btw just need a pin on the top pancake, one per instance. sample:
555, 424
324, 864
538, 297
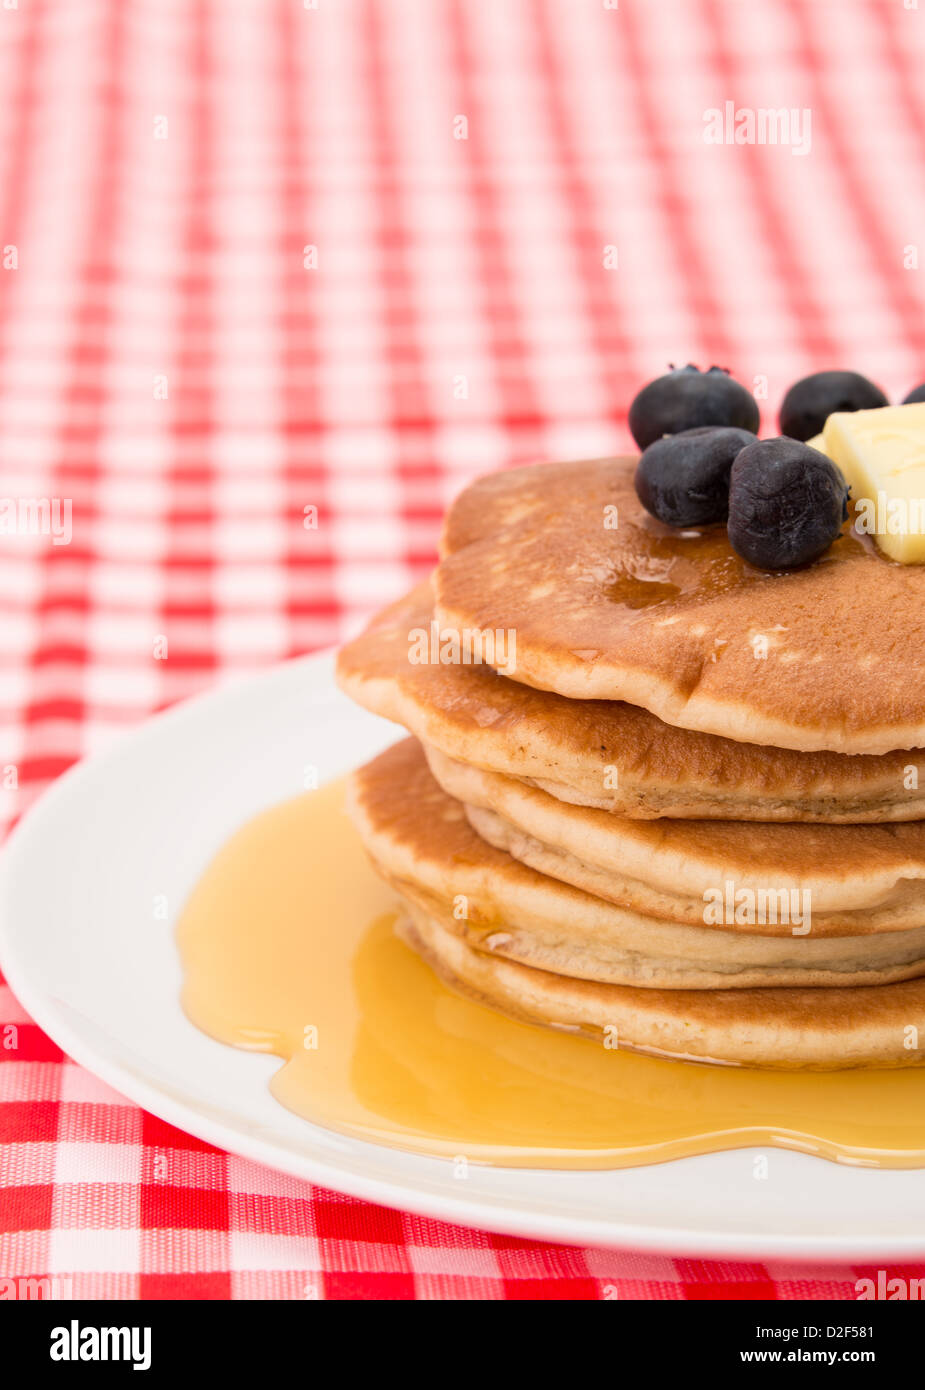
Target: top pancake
606, 753
831, 656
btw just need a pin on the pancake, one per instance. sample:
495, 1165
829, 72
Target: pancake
418, 837
782, 1029
860, 879
831, 656
609, 754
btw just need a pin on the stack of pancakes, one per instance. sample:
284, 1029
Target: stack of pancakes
682, 814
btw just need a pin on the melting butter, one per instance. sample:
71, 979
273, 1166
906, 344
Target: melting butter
882, 455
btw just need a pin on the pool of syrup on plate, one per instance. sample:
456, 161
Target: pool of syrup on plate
288, 947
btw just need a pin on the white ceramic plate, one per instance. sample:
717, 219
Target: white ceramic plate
85, 953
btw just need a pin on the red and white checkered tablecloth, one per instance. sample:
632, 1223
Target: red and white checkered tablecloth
258, 255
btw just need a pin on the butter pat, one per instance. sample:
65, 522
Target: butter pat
817, 442
882, 455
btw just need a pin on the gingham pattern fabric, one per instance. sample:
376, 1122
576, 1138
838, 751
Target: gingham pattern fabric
260, 256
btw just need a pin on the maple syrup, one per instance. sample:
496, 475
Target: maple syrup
288, 947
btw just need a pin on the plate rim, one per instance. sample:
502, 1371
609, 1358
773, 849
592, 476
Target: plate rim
308, 1165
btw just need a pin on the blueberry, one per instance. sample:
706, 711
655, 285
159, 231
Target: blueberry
683, 479
685, 398
787, 503
915, 395
810, 401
